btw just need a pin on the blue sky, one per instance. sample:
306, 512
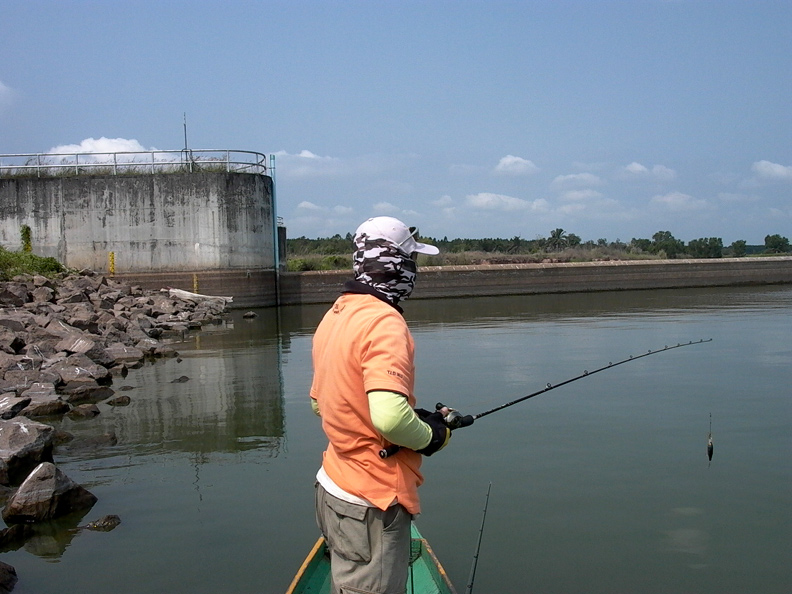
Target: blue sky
469, 119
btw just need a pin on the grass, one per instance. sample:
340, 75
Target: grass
14, 263
308, 262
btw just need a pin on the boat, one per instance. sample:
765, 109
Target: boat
426, 575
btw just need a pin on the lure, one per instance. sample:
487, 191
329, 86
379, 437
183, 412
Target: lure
709, 441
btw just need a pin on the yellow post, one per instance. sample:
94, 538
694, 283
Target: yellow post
111, 262
195, 283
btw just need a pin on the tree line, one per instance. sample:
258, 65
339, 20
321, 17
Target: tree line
662, 244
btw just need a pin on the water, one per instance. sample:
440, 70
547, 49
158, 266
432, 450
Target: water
602, 485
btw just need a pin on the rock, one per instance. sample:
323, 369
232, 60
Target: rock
44, 401
85, 391
122, 353
22, 380
10, 342
14, 294
250, 314
42, 294
120, 401
84, 411
78, 367
46, 494
103, 524
180, 380
23, 445
11, 405
13, 537
92, 443
12, 322
8, 578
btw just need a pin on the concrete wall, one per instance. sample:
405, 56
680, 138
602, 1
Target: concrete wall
151, 223
524, 279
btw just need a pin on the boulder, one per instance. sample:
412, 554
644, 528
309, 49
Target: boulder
85, 391
46, 494
44, 401
23, 445
79, 367
10, 341
103, 524
14, 294
11, 405
122, 353
8, 578
84, 411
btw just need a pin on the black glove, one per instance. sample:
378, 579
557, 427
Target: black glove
440, 431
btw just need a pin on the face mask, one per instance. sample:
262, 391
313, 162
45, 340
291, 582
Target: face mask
385, 267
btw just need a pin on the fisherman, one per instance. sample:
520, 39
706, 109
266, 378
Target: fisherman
363, 391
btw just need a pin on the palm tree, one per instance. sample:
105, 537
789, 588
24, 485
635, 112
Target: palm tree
557, 240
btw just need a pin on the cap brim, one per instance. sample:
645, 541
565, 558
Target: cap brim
423, 248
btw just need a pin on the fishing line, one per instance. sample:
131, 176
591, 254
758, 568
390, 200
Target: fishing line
455, 419
585, 373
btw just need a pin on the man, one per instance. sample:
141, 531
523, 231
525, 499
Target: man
363, 391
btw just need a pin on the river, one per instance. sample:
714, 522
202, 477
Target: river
602, 485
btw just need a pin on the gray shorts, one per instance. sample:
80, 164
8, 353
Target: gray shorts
369, 547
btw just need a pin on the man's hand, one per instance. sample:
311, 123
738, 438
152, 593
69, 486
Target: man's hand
441, 433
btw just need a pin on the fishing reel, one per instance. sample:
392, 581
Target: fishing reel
453, 418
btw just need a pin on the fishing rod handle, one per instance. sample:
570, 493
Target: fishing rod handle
454, 422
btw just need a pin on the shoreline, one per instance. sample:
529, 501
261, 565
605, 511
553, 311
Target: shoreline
487, 280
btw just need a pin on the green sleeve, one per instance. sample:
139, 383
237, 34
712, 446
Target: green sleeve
393, 417
315, 407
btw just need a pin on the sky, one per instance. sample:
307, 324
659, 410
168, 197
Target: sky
607, 119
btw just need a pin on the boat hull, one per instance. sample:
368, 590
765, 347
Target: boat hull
426, 575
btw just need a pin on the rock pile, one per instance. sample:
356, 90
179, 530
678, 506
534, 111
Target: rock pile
62, 342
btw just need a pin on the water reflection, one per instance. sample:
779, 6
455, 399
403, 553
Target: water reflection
223, 393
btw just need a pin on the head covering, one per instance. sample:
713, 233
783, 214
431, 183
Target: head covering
396, 233
383, 246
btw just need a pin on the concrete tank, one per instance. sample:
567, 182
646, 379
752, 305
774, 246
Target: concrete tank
170, 222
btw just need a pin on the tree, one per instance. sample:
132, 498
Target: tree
775, 244
664, 241
557, 240
738, 248
711, 247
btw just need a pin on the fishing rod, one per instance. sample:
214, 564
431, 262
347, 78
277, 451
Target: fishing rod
454, 419
469, 589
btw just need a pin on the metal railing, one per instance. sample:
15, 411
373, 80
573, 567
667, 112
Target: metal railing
133, 162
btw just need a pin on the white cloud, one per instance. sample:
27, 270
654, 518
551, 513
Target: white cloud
576, 180
768, 170
443, 201
343, 210
305, 205
490, 201
386, 208
657, 172
677, 201
511, 165
101, 145
306, 164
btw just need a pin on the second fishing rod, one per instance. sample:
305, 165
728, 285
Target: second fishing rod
455, 420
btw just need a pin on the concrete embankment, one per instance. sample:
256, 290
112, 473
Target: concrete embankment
526, 279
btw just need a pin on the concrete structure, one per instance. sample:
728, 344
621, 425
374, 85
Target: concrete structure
526, 279
212, 232
149, 223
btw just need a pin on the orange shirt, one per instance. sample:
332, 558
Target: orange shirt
363, 344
